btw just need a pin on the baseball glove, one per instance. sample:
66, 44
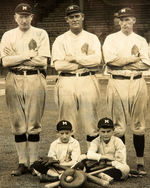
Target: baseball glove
32, 44
72, 178
93, 165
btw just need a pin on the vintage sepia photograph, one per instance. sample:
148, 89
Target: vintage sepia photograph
74, 94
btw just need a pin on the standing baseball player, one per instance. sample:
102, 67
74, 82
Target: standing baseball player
75, 54
126, 56
25, 51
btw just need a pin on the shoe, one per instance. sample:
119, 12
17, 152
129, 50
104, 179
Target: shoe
22, 169
32, 171
46, 178
141, 169
105, 177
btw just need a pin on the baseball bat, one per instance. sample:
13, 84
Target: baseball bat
101, 170
97, 180
53, 184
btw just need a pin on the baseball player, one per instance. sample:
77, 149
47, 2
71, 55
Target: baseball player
109, 148
25, 51
65, 150
126, 56
75, 54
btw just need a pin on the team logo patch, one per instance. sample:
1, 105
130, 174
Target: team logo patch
64, 123
24, 8
106, 120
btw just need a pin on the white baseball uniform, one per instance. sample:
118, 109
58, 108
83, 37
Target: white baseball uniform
114, 149
77, 88
126, 91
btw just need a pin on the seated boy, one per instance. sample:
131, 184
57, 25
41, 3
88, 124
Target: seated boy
110, 149
63, 153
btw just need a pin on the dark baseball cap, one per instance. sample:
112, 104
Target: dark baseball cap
23, 8
64, 125
105, 123
126, 12
72, 9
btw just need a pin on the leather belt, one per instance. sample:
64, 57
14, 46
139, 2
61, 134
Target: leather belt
126, 77
27, 72
77, 74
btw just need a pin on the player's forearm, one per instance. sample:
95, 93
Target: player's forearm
120, 62
89, 60
93, 155
65, 66
37, 62
137, 66
9, 61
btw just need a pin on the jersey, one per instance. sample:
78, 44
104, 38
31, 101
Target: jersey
114, 149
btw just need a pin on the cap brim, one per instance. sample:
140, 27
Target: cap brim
24, 13
126, 15
75, 11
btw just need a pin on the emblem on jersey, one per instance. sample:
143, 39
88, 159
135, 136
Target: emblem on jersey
24, 7
32, 44
64, 123
106, 120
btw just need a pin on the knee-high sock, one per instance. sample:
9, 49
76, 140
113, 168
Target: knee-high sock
139, 144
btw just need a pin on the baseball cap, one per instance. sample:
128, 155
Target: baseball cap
105, 123
126, 12
72, 9
23, 8
64, 125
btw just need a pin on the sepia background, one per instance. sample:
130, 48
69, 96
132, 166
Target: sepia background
49, 15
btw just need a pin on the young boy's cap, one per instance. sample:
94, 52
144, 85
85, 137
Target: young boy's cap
64, 125
105, 123
23, 9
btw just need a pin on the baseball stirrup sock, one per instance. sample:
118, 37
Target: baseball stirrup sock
34, 137
21, 138
91, 138
139, 144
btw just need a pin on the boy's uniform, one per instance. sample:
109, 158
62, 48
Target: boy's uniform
115, 150
65, 152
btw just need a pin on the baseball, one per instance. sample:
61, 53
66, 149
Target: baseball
69, 179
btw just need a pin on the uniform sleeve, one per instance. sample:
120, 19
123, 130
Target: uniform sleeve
120, 153
92, 151
52, 151
44, 46
93, 56
58, 57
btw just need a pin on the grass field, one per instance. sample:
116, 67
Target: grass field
8, 156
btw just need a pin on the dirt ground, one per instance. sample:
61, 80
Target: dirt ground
8, 156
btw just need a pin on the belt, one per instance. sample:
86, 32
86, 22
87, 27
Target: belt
77, 74
126, 77
27, 72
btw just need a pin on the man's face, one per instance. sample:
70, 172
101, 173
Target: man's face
23, 21
64, 135
75, 20
105, 134
126, 24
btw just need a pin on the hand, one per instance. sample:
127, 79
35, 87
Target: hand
134, 59
82, 157
9, 52
31, 54
70, 58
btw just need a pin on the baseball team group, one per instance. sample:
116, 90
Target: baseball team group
76, 55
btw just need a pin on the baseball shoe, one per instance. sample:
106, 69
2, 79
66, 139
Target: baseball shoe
22, 169
32, 171
46, 178
141, 169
